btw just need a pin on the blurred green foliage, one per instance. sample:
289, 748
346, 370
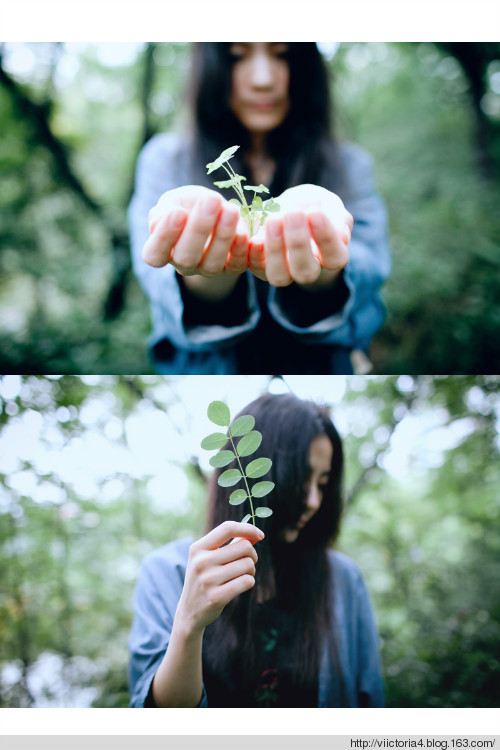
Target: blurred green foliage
73, 120
78, 511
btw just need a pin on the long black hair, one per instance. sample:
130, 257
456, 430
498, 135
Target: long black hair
296, 576
302, 146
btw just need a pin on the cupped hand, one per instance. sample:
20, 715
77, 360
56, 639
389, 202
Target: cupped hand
215, 574
198, 232
306, 243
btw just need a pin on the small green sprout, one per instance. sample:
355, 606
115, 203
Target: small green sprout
249, 440
255, 214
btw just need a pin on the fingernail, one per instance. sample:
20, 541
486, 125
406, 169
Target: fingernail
346, 234
176, 218
210, 205
261, 533
294, 221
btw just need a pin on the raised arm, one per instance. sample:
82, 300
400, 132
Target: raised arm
215, 574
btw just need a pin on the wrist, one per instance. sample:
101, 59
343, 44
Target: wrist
325, 280
210, 289
187, 627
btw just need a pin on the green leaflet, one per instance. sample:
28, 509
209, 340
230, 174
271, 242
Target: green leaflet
242, 425
237, 497
263, 512
229, 477
214, 441
249, 443
257, 188
223, 458
225, 156
218, 413
258, 468
262, 488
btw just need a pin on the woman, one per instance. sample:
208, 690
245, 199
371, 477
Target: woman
303, 293
288, 624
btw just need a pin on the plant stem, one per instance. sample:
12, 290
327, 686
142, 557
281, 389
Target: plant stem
244, 477
240, 192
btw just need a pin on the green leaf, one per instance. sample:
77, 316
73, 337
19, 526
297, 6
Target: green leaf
243, 211
225, 156
218, 413
214, 441
223, 458
257, 188
262, 488
246, 518
242, 425
237, 497
235, 201
229, 477
257, 204
258, 468
249, 443
263, 512
271, 206
225, 183
228, 153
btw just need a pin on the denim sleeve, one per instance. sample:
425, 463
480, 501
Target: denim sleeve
157, 594
370, 688
369, 265
159, 169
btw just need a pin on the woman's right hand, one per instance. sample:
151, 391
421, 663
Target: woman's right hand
216, 574
198, 232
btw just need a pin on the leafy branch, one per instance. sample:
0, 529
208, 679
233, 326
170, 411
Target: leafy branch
249, 440
255, 214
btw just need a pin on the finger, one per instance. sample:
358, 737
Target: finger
185, 197
228, 530
189, 249
333, 250
158, 248
237, 262
257, 258
277, 271
237, 586
216, 254
235, 550
223, 573
304, 267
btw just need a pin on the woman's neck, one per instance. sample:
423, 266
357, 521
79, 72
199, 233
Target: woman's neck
262, 166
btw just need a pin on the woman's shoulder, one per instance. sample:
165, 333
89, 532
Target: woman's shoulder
165, 149
173, 555
354, 158
346, 572
167, 143
355, 168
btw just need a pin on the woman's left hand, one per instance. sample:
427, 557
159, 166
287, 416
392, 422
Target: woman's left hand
306, 243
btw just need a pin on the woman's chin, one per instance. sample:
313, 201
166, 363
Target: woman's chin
290, 535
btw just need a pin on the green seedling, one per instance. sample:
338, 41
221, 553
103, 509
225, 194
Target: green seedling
249, 440
254, 214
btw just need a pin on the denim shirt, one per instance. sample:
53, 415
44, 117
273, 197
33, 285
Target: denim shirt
210, 349
158, 591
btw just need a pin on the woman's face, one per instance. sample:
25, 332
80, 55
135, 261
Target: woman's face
320, 462
260, 82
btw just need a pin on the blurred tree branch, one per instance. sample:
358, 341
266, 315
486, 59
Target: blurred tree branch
121, 250
36, 116
474, 59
